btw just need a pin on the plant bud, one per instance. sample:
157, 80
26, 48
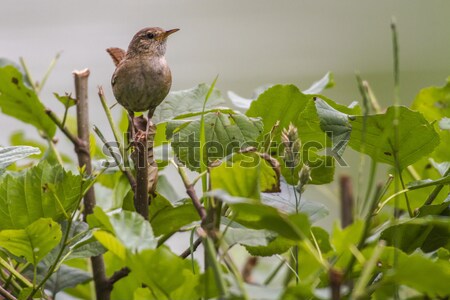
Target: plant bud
292, 145
304, 176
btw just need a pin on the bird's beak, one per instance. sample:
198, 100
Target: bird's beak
169, 32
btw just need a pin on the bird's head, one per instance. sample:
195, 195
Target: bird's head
150, 41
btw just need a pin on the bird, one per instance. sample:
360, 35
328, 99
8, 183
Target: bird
142, 78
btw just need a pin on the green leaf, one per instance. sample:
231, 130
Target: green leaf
81, 244
66, 100
418, 184
34, 242
66, 277
285, 202
166, 218
277, 246
246, 174
343, 239
171, 276
326, 82
416, 137
237, 234
44, 191
128, 228
428, 233
434, 104
415, 272
186, 103
224, 135
334, 123
21, 102
9, 155
253, 214
286, 104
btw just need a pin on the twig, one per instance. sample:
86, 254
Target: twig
192, 249
123, 169
101, 95
63, 128
192, 194
118, 275
102, 287
6, 294
346, 201
335, 277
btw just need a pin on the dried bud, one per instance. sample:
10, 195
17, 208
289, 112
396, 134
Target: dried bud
304, 176
292, 145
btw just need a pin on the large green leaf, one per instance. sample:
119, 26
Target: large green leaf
125, 228
166, 218
171, 277
66, 277
246, 175
34, 242
253, 214
235, 233
415, 271
21, 102
185, 103
434, 104
44, 191
9, 155
416, 137
286, 104
224, 133
285, 201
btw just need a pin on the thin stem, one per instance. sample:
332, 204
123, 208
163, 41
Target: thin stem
346, 201
13, 271
63, 128
274, 273
210, 252
6, 294
191, 248
47, 73
28, 73
119, 141
360, 288
123, 169
436, 190
191, 192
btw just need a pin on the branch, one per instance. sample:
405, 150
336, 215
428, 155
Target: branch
102, 287
194, 247
63, 128
192, 193
118, 275
6, 294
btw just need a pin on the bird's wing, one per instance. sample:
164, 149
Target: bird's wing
116, 54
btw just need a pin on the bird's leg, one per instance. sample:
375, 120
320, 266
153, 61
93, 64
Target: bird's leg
131, 130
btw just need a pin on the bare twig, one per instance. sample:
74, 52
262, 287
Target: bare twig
102, 286
123, 169
119, 275
346, 200
194, 247
63, 128
335, 278
6, 294
192, 194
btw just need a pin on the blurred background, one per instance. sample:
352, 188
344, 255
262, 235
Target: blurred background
247, 43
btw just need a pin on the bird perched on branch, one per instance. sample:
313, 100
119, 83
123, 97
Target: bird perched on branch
142, 78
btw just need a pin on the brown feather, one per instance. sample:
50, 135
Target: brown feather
116, 54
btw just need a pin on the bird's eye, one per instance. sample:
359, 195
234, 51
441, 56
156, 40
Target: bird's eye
150, 35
